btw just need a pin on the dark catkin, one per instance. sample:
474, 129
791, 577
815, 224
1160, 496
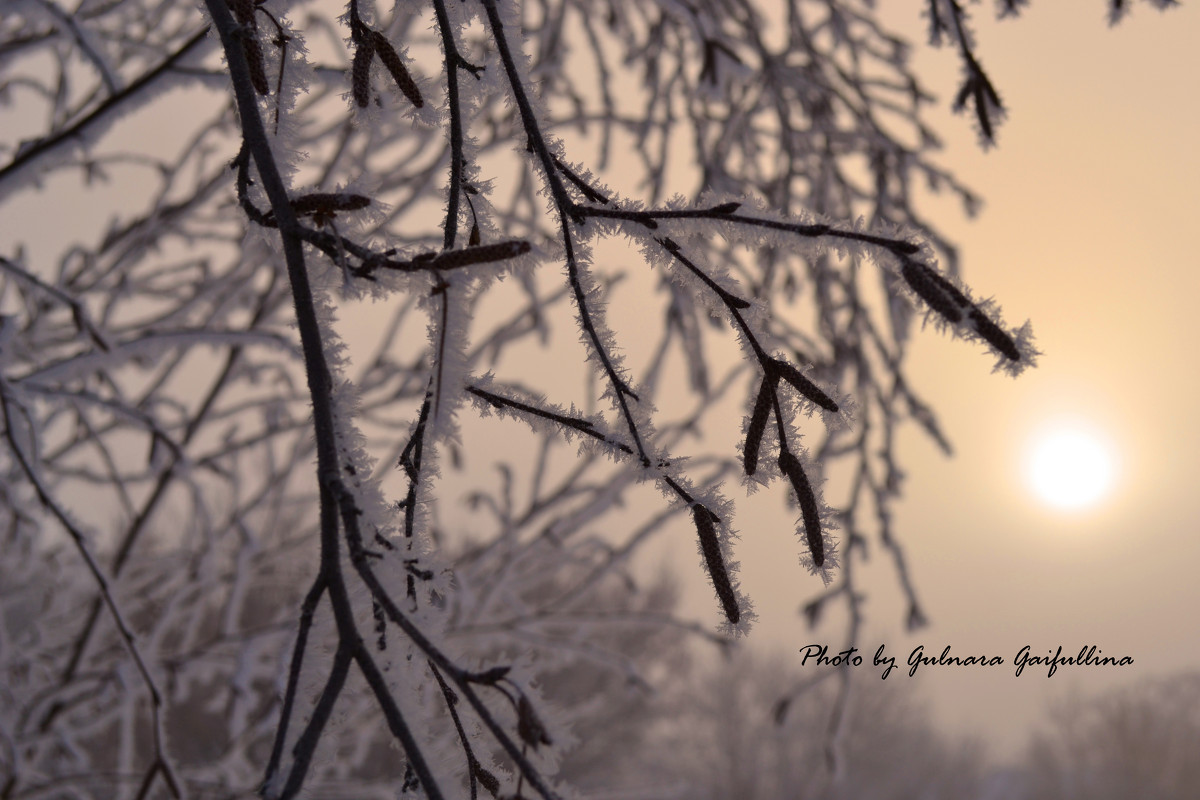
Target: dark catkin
454, 259
380, 625
949, 301
758, 424
918, 277
803, 385
993, 335
790, 466
243, 11
327, 203
360, 73
580, 183
491, 676
486, 779
978, 87
716, 564
529, 726
949, 288
254, 60
391, 59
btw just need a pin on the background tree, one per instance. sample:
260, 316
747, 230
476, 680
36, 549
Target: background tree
1136, 739
171, 337
724, 737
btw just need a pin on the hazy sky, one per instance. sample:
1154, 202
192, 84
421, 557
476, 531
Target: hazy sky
1088, 230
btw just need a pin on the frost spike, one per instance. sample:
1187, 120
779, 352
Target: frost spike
790, 465
758, 424
716, 564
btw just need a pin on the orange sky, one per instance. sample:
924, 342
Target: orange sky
1086, 230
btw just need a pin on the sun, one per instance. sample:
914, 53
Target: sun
1071, 468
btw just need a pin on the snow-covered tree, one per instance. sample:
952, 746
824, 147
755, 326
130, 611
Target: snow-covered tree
1135, 741
724, 735
268, 269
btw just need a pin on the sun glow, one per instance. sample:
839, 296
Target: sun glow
1071, 469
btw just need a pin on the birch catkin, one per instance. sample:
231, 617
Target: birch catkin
711, 548
809, 510
360, 72
395, 66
